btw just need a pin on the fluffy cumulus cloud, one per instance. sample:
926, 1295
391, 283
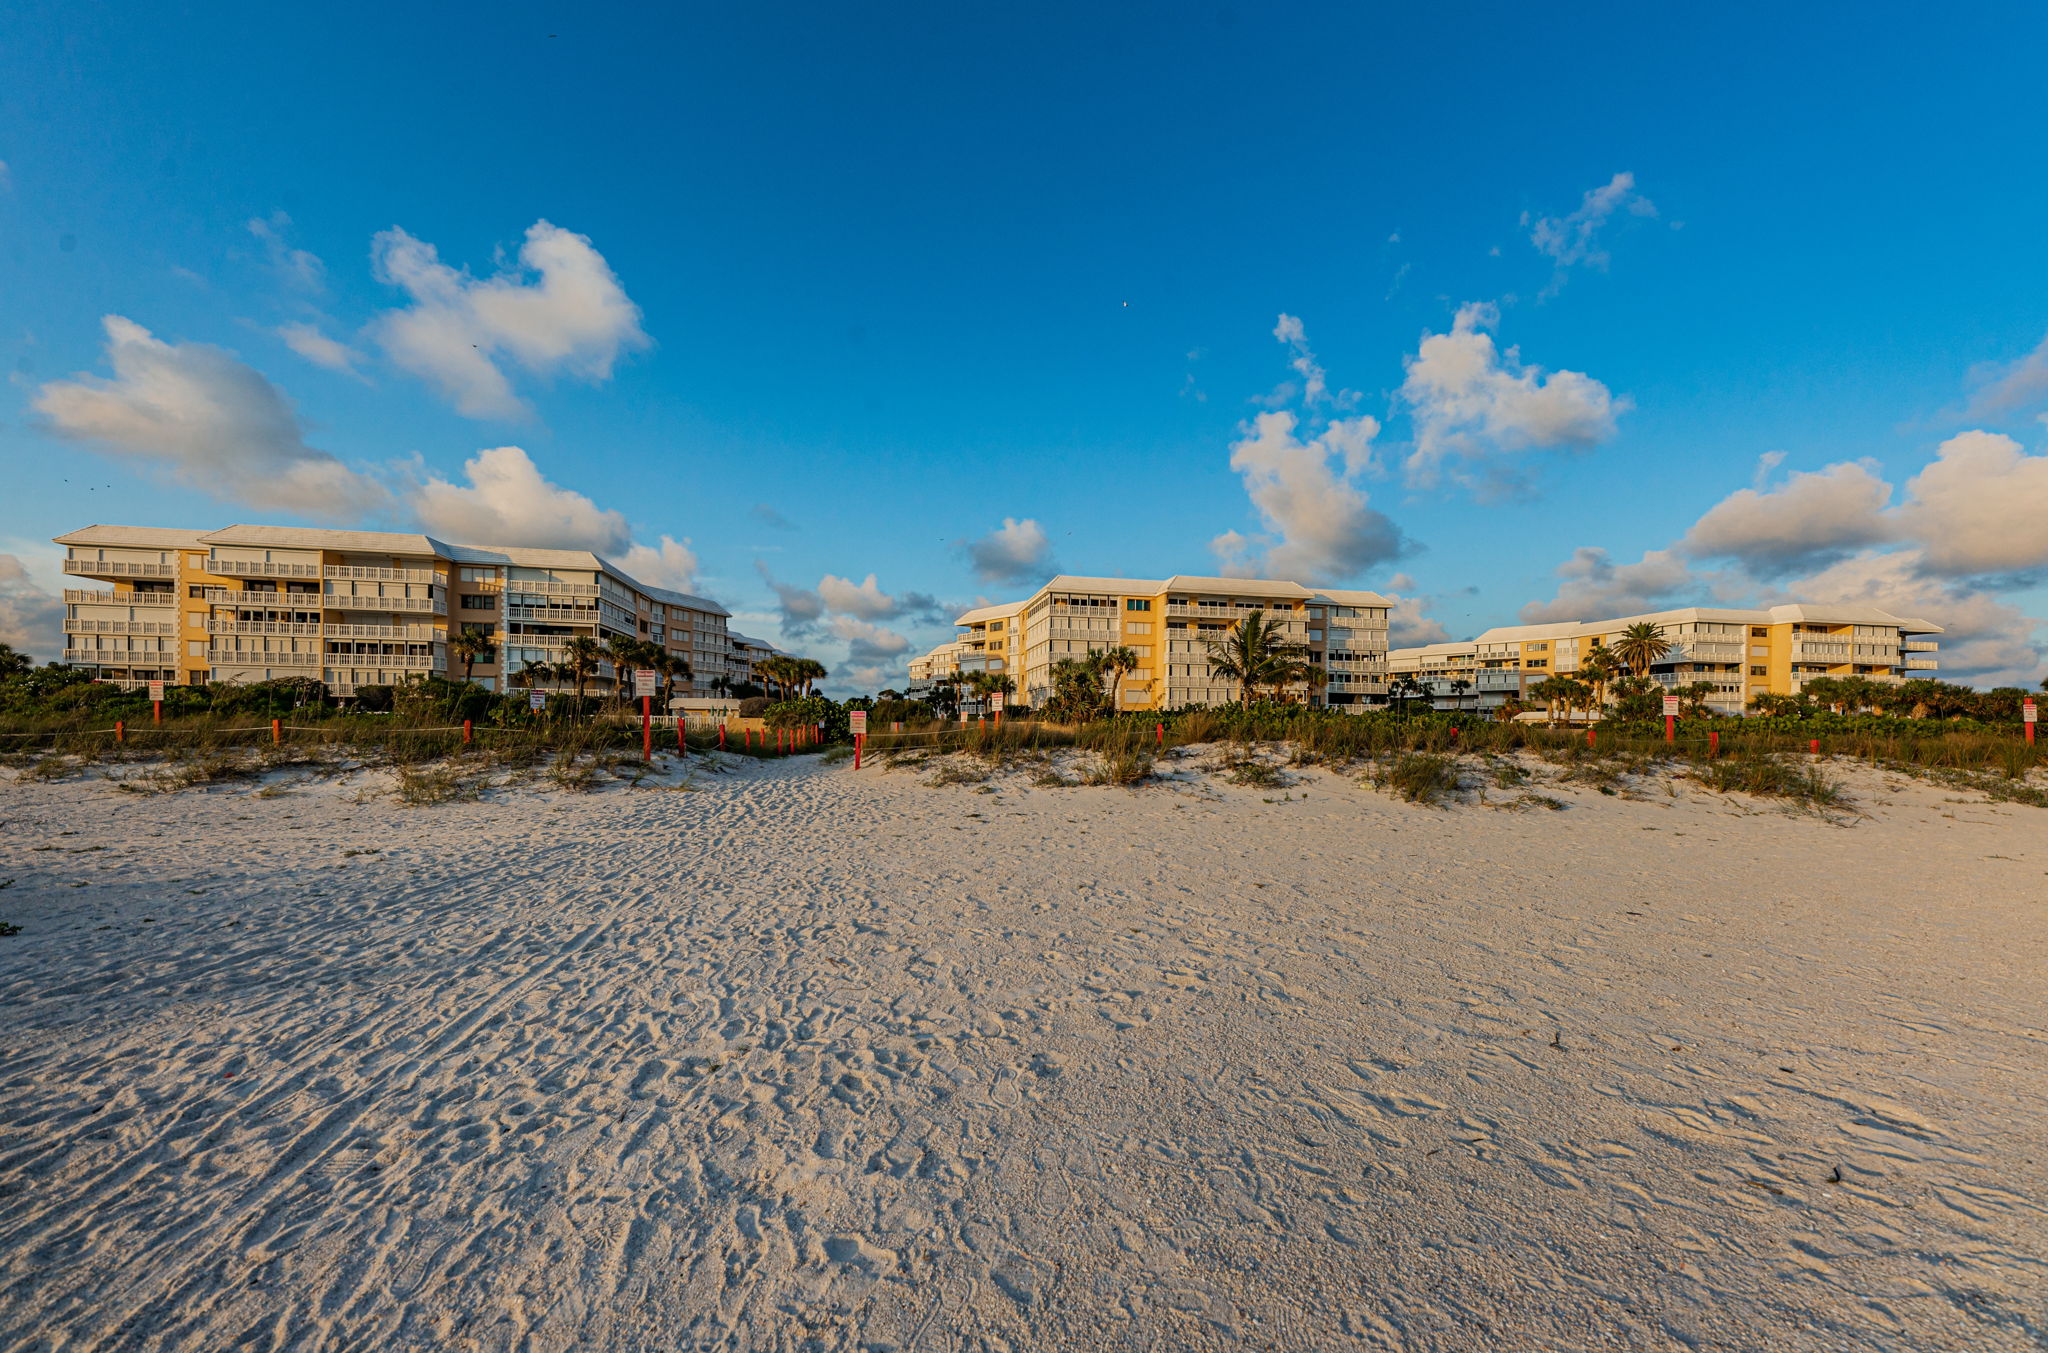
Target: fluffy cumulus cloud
1320, 525
561, 309
507, 500
1811, 519
1476, 408
671, 563
800, 608
209, 421
29, 613
1409, 623
1014, 553
1574, 239
868, 643
1980, 507
844, 615
1592, 586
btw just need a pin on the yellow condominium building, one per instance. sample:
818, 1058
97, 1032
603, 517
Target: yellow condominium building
1168, 623
357, 608
1743, 653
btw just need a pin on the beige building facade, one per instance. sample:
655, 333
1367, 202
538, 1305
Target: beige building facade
1742, 653
357, 608
1168, 623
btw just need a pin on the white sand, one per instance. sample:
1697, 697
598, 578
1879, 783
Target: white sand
810, 1060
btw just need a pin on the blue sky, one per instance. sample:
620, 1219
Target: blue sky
814, 293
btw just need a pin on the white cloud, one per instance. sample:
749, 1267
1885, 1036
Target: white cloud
867, 642
671, 564
508, 501
562, 309
1475, 407
29, 615
864, 599
2011, 387
1313, 384
1322, 528
1594, 587
1575, 239
210, 421
296, 268
1811, 519
317, 348
1015, 552
1981, 506
801, 608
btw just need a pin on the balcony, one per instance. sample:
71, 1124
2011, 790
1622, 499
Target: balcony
260, 599
418, 634
271, 627
118, 568
554, 615
548, 588
1921, 646
79, 596
1807, 651
260, 568
246, 657
394, 605
120, 627
1922, 664
384, 575
118, 657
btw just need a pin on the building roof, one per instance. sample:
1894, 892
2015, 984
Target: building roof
1349, 597
137, 537
981, 613
325, 538
1776, 615
1449, 650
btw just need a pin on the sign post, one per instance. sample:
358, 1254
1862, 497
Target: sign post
2030, 716
1670, 718
859, 720
156, 700
643, 686
995, 702
537, 701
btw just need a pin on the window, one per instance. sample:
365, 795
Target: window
1137, 604
1759, 632
472, 627
472, 601
1137, 627
196, 593
1759, 671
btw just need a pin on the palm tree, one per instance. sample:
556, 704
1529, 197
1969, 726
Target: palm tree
1551, 691
1458, 688
1117, 662
809, 671
1599, 668
623, 652
1641, 645
470, 646
779, 672
580, 657
672, 667
14, 663
1251, 654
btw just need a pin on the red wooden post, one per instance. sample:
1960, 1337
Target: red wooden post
1814, 746
646, 728
157, 711
1589, 737
277, 730
1159, 734
468, 733
858, 739
1713, 744
1454, 732
721, 737
1670, 728
2031, 716
121, 731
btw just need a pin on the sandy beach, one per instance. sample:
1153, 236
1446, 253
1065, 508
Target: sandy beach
792, 1058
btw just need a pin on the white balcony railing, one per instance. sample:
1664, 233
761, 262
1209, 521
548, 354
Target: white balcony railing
246, 657
265, 599
79, 596
337, 601
260, 568
272, 627
120, 627
411, 633
555, 615
365, 573
1922, 664
119, 568
118, 657
1920, 646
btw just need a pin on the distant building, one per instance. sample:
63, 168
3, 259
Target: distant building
1743, 653
1168, 623
357, 608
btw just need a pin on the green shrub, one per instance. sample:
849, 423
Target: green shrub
1419, 777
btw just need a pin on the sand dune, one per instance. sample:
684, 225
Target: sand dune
803, 1059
